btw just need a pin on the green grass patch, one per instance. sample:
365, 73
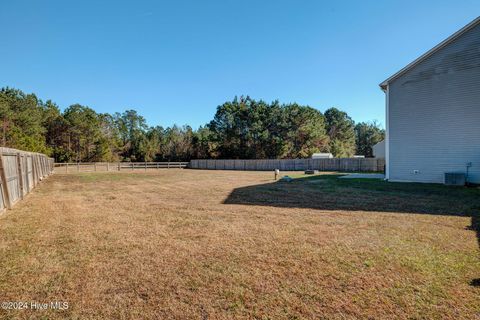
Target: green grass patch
327, 191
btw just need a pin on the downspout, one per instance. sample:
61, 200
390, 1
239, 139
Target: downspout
386, 89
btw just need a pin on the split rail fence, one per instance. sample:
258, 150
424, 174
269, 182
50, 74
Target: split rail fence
115, 166
332, 164
20, 172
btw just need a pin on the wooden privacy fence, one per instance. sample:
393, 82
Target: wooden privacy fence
332, 164
115, 166
20, 172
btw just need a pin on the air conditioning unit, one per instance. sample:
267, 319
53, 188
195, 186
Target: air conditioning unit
454, 178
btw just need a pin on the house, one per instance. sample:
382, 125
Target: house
322, 155
433, 112
378, 150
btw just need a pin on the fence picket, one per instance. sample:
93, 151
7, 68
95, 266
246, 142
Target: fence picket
335, 164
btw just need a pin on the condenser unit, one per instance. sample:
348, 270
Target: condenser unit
455, 178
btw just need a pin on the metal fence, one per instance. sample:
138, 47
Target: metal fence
333, 164
115, 166
20, 172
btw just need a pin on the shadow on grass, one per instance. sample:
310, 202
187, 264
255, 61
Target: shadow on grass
476, 227
330, 193
327, 192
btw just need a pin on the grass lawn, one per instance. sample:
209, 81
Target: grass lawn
192, 244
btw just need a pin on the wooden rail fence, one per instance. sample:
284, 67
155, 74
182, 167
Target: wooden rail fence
333, 164
20, 172
115, 166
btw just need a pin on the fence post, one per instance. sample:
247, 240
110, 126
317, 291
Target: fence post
20, 175
108, 166
145, 165
168, 165
6, 193
34, 171
157, 165
66, 168
27, 178
94, 166
132, 166
119, 166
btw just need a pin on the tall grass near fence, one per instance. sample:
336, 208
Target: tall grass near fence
334, 164
20, 172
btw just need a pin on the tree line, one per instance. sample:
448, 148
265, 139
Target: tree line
242, 128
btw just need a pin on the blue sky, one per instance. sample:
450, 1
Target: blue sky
176, 61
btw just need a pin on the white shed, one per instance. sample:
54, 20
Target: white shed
322, 155
379, 150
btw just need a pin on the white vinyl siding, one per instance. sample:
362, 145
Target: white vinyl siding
434, 114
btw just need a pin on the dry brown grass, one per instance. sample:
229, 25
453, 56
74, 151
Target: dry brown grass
178, 244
